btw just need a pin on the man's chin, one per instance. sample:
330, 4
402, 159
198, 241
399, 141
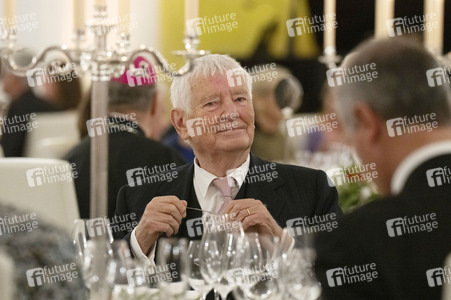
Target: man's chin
231, 145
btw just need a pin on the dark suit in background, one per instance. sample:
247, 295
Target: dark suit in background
127, 150
13, 141
296, 192
401, 261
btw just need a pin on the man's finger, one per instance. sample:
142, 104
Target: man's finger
178, 203
236, 205
172, 210
169, 230
186, 205
164, 220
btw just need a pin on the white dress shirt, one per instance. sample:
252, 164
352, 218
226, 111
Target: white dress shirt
414, 160
210, 199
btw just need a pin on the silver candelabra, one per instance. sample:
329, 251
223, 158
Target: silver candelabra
330, 57
102, 63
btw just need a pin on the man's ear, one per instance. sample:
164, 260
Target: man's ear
178, 120
153, 109
368, 122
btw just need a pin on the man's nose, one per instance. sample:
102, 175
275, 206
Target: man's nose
229, 107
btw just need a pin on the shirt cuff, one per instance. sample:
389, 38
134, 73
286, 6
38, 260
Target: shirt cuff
144, 260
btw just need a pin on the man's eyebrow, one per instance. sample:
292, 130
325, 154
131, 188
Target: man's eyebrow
210, 97
240, 92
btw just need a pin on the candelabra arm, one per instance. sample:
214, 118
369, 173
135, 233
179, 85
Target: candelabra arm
22, 71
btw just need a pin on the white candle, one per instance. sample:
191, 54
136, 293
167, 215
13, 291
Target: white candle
434, 14
100, 2
8, 12
191, 10
124, 16
79, 14
329, 20
384, 11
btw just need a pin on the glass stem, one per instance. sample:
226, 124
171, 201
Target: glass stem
216, 295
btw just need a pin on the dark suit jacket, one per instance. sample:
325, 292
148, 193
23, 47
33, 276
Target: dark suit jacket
126, 151
401, 261
13, 141
294, 192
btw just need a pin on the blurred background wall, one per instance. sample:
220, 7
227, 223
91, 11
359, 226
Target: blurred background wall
260, 35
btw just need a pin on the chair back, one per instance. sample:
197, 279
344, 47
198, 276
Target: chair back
56, 133
41, 186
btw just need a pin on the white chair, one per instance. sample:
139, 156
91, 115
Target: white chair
52, 147
447, 286
30, 184
7, 285
56, 133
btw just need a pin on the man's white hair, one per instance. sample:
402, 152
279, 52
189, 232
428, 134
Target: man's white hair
204, 67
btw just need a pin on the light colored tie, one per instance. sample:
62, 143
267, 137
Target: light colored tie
224, 187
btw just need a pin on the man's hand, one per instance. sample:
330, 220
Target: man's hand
162, 215
254, 216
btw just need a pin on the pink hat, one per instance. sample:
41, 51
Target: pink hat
141, 74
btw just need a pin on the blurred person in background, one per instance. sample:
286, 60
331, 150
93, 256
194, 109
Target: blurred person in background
323, 141
394, 247
158, 123
64, 92
133, 121
161, 122
275, 99
23, 103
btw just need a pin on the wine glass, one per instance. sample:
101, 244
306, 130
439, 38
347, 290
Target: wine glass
235, 256
221, 224
298, 275
195, 278
210, 261
98, 270
122, 264
214, 238
231, 256
261, 267
85, 229
172, 266
79, 239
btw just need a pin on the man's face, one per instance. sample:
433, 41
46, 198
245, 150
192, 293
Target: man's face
226, 116
362, 135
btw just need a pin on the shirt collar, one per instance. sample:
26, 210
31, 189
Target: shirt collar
414, 160
131, 124
204, 178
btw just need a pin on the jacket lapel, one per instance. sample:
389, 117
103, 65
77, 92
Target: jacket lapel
260, 185
182, 186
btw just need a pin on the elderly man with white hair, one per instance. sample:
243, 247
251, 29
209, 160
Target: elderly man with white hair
213, 111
